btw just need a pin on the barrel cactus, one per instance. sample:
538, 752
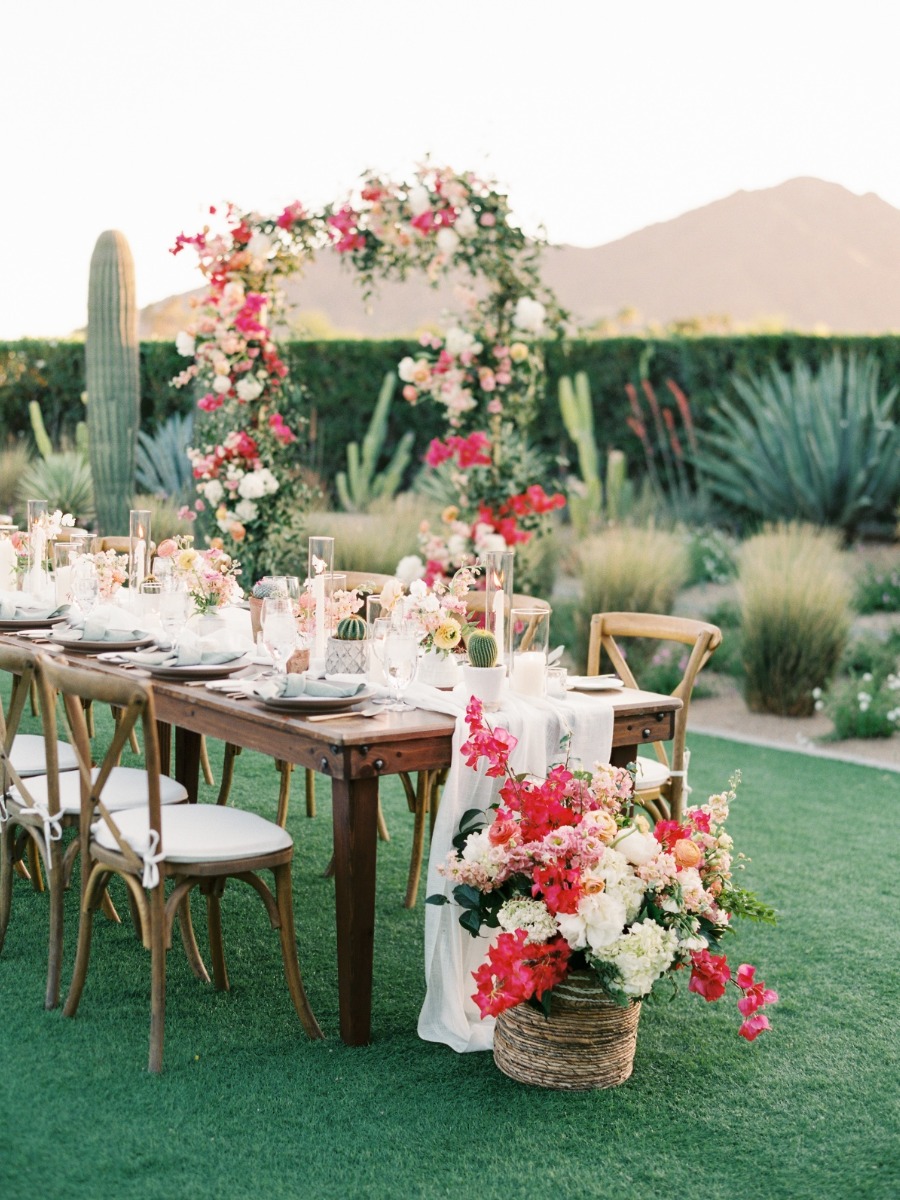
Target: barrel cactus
264, 589
482, 647
351, 629
112, 369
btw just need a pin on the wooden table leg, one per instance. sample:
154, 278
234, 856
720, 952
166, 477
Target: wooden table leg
164, 737
355, 809
621, 756
187, 761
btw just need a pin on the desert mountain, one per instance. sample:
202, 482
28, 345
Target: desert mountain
806, 255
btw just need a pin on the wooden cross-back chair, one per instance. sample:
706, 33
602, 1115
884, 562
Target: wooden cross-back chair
185, 845
661, 783
42, 799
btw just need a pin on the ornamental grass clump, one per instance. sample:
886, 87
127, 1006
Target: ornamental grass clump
794, 595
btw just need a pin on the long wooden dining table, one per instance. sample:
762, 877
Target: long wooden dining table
355, 754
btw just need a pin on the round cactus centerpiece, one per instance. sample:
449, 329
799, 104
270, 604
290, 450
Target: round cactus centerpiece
482, 647
348, 651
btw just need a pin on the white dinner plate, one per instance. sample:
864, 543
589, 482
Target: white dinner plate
594, 683
80, 646
198, 671
30, 623
312, 704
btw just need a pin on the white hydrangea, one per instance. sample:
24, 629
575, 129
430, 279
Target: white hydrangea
269, 481
457, 341
409, 569
466, 224
185, 344
248, 389
213, 491
529, 315
221, 384
531, 915
641, 956
246, 510
252, 486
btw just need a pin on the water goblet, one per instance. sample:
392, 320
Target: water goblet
85, 584
279, 630
174, 609
400, 657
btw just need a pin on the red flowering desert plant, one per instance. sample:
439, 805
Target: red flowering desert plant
575, 881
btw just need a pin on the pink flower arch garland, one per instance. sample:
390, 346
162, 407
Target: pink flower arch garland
486, 371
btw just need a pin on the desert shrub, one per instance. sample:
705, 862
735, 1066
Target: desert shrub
713, 555
864, 706
878, 588
162, 466
628, 570
807, 445
794, 597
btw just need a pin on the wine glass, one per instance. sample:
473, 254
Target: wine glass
400, 656
174, 609
379, 628
85, 584
279, 630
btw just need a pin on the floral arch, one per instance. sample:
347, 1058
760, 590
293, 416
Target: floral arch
486, 371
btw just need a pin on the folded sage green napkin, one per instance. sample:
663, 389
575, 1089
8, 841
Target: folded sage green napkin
184, 655
291, 686
105, 624
20, 606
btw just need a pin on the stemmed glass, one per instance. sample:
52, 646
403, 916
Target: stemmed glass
379, 628
174, 609
279, 630
400, 656
85, 584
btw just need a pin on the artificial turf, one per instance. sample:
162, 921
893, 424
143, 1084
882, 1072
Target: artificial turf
246, 1106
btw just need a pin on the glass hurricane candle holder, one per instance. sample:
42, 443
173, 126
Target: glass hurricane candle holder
529, 643
320, 570
37, 579
498, 596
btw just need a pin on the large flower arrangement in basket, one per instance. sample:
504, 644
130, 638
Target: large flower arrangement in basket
575, 882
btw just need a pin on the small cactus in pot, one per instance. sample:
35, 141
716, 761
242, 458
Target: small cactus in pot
482, 648
348, 650
481, 675
262, 590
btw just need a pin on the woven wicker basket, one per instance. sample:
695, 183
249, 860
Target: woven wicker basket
586, 1042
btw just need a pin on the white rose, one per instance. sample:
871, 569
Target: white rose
410, 569
221, 384
530, 315
213, 491
406, 369
465, 224
185, 344
447, 240
418, 589
457, 545
419, 200
636, 847
259, 246
491, 541
267, 481
457, 340
248, 388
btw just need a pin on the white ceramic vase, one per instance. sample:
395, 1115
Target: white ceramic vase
485, 683
440, 670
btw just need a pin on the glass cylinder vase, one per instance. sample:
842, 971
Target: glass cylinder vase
138, 548
37, 578
529, 644
498, 598
320, 570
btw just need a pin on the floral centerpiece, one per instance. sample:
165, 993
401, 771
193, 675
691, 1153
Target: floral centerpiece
575, 882
210, 576
440, 611
339, 605
112, 572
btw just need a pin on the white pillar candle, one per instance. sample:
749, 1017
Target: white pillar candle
528, 673
318, 591
7, 566
140, 561
37, 576
499, 627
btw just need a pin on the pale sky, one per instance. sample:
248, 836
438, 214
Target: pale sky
599, 118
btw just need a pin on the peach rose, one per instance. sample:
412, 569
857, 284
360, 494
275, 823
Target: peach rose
686, 853
592, 887
237, 531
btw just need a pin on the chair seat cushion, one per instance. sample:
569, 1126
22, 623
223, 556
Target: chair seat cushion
125, 788
651, 774
29, 755
199, 833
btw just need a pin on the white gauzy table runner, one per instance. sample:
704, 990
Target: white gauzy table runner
449, 1014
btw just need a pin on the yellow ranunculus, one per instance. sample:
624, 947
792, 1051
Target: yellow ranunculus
518, 352
185, 559
447, 634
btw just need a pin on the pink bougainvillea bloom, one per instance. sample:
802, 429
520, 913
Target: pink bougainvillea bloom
754, 1026
709, 975
210, 402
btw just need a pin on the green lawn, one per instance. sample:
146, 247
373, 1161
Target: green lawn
247, 1106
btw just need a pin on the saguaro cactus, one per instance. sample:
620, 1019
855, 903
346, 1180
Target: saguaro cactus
112, 366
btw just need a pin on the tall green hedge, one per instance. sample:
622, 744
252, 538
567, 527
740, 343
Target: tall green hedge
342, 379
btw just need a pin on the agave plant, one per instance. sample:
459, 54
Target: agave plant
819, 446
63, 480
162, 466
